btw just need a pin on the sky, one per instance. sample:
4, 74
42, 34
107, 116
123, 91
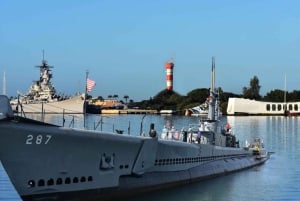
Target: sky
125, 44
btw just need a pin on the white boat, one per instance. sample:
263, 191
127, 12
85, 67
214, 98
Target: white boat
42, 97
167, 112
199, 111
242, 106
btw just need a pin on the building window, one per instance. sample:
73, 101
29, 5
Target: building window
279, 107
296, 107
268, 107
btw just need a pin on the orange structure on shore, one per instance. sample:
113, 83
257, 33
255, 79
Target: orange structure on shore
169, 71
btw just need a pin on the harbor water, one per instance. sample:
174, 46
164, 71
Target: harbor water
277, 179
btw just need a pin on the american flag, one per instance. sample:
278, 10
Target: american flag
90, 84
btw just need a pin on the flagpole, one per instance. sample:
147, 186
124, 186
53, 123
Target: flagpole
85, 98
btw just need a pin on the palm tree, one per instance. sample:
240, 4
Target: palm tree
116, 96
126, 97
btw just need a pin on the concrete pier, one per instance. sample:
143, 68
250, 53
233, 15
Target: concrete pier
128, 111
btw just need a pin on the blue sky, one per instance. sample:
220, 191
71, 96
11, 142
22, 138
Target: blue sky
124, 44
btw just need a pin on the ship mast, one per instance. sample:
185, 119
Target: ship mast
42, 89
85, 99
212, 96
285, 105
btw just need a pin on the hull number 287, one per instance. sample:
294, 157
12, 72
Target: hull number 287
38, 139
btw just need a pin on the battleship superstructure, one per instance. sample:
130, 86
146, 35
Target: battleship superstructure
47, 162
43, 98
42, 89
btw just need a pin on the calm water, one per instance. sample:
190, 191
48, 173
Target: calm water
277, 179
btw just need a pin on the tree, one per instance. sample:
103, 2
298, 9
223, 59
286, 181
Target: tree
198, 96
276, 95
293, 96
116, 96
126, 97
253, 91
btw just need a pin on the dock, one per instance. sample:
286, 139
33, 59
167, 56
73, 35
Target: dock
128, 111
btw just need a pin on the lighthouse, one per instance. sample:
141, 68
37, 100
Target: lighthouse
169, 71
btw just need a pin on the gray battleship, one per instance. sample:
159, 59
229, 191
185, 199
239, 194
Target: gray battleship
48, 162
42, 96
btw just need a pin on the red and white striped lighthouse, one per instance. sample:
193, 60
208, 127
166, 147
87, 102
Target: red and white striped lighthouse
169, 71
